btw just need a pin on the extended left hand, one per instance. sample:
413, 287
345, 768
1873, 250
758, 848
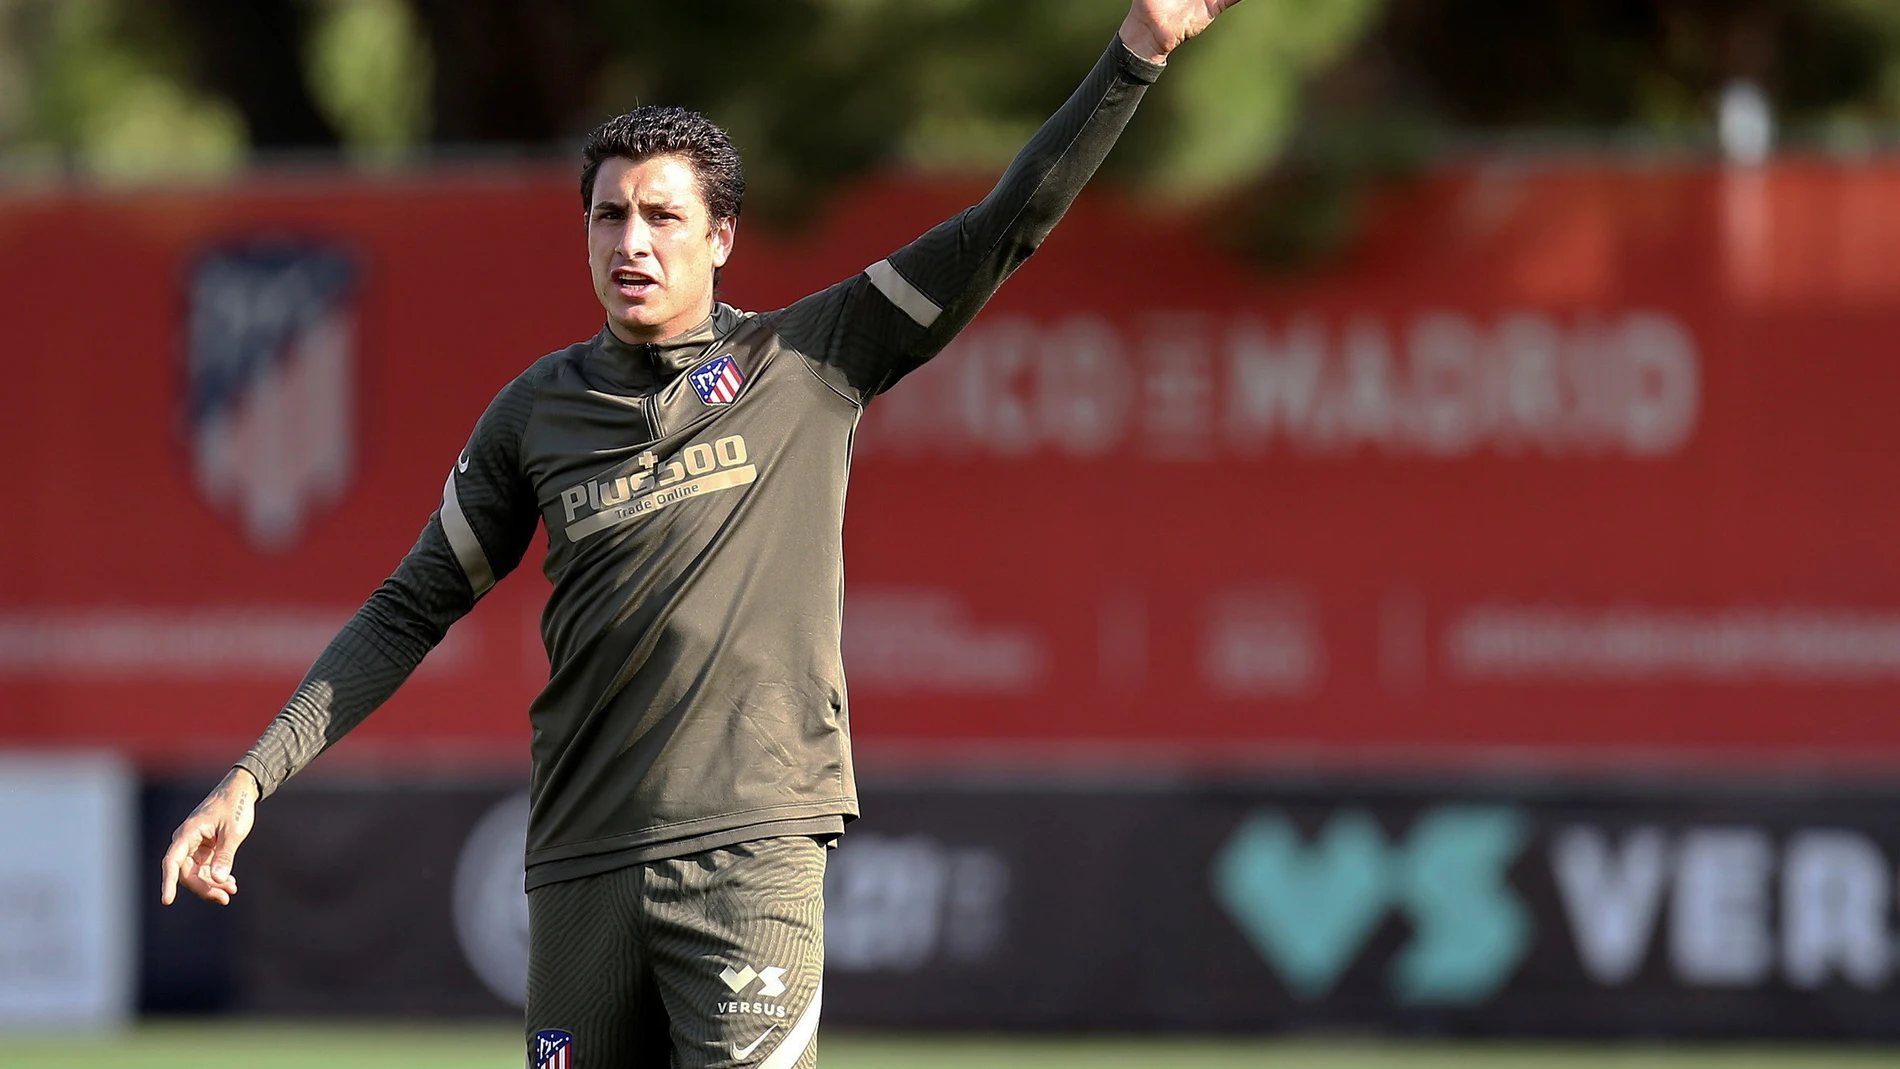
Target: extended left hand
205, 845
1155, 28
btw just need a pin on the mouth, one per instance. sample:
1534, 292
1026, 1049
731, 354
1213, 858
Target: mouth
633, 284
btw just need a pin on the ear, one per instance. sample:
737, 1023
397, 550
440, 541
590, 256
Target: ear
724, 233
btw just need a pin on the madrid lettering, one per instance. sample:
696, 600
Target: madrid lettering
1196, 386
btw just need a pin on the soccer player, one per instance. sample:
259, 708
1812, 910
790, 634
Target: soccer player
691, 753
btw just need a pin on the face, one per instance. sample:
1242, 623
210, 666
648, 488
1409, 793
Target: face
652, 246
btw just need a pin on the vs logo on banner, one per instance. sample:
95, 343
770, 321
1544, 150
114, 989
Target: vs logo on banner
1309, 910
269, 384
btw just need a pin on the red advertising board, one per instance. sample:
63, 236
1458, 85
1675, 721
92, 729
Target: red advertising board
1556, 459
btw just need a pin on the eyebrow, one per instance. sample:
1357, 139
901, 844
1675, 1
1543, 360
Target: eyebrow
664, 205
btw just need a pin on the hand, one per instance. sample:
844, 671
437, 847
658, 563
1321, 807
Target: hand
205, 845
1155, 28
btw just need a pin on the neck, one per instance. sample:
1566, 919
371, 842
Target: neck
634, 334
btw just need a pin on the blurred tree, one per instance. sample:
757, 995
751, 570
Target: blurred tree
1645, 64
511, 71
815, 91
107, 91
250, 53
370, 71
1282, 117
1635, 75
1864, 118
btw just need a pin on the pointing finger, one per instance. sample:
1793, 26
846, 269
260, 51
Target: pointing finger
168, 880
174, 864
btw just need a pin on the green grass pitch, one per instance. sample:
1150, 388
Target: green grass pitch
485, 1046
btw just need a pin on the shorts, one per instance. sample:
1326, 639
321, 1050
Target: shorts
707, 961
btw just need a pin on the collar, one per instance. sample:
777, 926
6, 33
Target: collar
664, 359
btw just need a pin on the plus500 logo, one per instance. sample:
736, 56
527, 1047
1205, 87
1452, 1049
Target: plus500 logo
1309, 907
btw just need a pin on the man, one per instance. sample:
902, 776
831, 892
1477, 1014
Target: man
691, 749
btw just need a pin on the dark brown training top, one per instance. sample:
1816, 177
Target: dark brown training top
693, 495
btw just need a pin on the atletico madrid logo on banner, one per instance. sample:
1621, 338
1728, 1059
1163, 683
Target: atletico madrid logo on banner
718, 382
553, 1049
270, 413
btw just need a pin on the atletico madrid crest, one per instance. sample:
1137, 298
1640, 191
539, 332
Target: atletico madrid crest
552, 1049
718, 382
270, 382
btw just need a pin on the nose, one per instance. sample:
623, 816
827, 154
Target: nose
635, 238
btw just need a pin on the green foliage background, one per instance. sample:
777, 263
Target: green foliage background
1285, 113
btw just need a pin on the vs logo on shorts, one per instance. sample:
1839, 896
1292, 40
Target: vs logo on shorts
553, 1049
718, 382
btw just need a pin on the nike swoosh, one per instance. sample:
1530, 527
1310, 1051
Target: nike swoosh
742, 1053
461, 463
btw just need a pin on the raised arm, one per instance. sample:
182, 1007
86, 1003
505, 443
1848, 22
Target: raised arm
476, 536
867, 332
1155, 28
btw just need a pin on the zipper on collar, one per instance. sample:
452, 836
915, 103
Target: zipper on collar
650, 407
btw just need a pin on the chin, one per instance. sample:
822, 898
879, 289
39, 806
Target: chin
637, 324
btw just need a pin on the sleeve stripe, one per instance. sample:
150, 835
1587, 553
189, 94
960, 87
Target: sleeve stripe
468, 548
902, 294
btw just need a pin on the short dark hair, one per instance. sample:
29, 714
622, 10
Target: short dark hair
654, 130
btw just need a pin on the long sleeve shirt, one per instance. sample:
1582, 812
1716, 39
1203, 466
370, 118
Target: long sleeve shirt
693, 496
